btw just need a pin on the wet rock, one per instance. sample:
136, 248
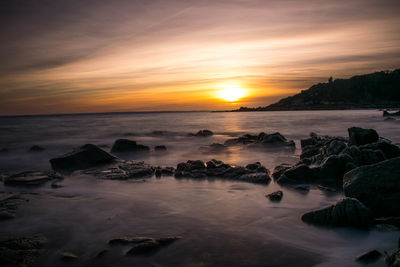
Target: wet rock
9, 203
263, 139
30, 178
101, 254
280, 169
68, 256
393, 260
21, 251
160, 148
217, 169
389, 150
168, 171
157, 172
36, 148
359, 136
302, 188
87, 156
298, 174
334, 167
151, 246
128, 146
204, 133
275, 196
129, 240
354, 152
125, 170
377, 186
309, 151
214, 148
369, 257
346, 212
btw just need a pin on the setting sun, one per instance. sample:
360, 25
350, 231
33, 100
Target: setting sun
231, 92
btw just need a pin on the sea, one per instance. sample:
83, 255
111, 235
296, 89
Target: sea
223, 223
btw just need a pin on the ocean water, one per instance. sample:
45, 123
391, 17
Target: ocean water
223, 223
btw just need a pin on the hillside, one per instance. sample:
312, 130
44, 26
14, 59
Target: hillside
375, 90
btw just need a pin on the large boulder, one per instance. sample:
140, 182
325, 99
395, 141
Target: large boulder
86, 156
346, 212
377, 186
128, 146
359, 136
390, 150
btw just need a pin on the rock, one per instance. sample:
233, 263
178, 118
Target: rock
309, 151
160, 148
125, 170
393, 259
275, 196
168, 171
56, 184
390, 150
280, 169
68, 256
354, 152
217, 169
129, 240
369, 257
268, 140
214, 148
298, 174
128, 146
30, 178
158, 173
21, 251
204, 133
334, 167
9, 202
359, 136
302, 188
377, 186
346, 212
36, 148
152, 246
87, 156
101, 254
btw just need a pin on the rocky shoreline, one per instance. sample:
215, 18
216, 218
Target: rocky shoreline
363, 166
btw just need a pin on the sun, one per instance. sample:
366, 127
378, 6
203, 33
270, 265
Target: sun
231, 92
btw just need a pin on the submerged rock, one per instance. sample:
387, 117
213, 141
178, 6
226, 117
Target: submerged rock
346, 212
275, 196
86, 156
160, 148
36, 148
377, 186
21, 251
359, 136
128, 146
255, 173
31, 178
152, 246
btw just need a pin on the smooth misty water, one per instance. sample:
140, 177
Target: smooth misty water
224, 223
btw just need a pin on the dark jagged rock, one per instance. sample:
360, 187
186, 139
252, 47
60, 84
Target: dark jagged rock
160, 148
125, 170
377, 186
275, 196
298, 174
369, 257
359, 136
203, 133
128, 146
36, 148
347, 212
31, 178
263, 139
21, 251
87, 156
218, 169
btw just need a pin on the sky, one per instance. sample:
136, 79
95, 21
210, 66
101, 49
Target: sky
75, 56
